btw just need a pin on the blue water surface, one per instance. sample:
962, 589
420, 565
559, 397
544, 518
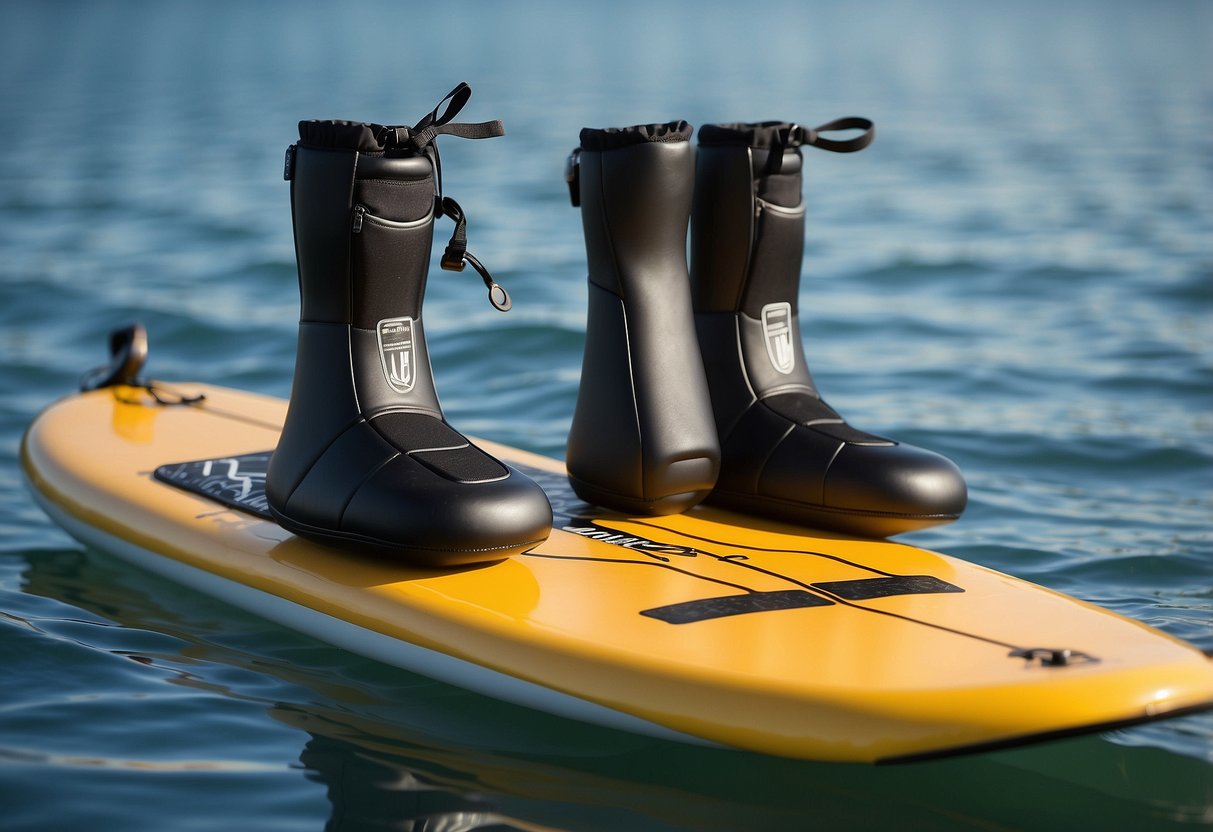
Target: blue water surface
1018, 273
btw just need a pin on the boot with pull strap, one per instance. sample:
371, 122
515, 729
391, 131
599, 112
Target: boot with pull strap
366, 458
785, 452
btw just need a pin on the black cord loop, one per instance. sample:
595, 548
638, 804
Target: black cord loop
795, 135
457, 256
811, 135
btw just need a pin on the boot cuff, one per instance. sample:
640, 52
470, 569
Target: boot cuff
613, 138
342, 135
759, 134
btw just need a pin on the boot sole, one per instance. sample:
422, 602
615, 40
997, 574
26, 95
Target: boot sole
422, 556
671, 504
837, 520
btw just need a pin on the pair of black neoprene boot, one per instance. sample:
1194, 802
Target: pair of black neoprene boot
366, 457
694, 385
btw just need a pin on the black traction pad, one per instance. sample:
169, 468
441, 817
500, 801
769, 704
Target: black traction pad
238, 482
703, 609
867, 588
235, 481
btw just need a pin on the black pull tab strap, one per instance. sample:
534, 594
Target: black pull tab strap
456, 256
469, 130
419, 138
458, 97
794, 135
426, 130
434, 125
811, 135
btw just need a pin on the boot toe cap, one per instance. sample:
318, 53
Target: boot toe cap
438, 521
443, 502
835, 477
909, 486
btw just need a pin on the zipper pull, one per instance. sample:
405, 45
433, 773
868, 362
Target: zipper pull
572, 176
498, 296
359, 213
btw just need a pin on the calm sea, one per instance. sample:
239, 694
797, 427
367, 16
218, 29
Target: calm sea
1018, 273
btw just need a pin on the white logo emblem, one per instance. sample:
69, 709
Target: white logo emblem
396, 352
777, 333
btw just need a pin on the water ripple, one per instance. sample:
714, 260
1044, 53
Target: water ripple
1017, 273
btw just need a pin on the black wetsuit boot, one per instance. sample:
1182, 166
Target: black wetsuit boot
642, 439
785, 452
366, 458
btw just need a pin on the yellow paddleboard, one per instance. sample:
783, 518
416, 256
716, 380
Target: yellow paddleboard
708, 627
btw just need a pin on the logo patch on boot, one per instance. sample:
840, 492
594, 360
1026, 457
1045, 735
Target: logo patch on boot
777, 333
396, 354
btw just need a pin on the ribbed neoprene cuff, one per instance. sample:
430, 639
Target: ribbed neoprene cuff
612, 138
342, 135
759, 134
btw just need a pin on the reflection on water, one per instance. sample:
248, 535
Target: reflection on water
396, 751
